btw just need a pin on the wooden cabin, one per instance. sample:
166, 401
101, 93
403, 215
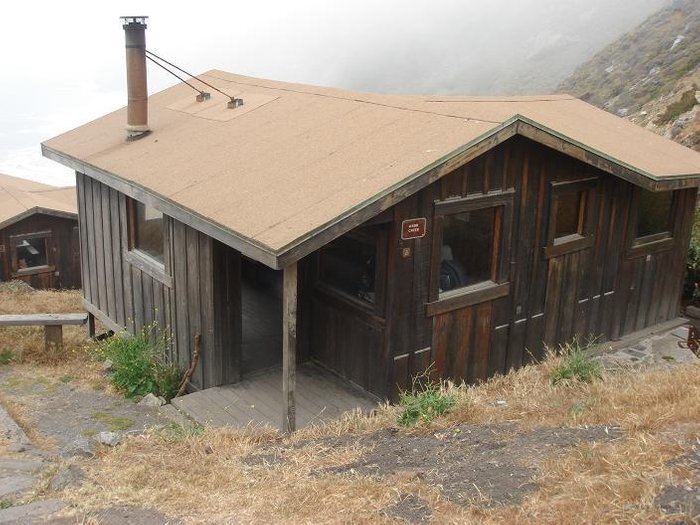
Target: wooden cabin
374, 235
39, 240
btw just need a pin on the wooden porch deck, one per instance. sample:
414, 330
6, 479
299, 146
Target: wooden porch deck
320, 396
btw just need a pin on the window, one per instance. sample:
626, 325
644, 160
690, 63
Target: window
569, 227
569, 210
470, 252
467, 250
147, 231
30, 252
651, 222
349, 264
653, 214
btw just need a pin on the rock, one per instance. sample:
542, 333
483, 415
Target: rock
30, 512
71, 476
692, 311
80, 447
107, 365
11, 485
150, 400
111, 439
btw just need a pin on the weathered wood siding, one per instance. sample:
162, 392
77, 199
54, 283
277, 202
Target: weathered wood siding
182, 305
600, 291
63, 251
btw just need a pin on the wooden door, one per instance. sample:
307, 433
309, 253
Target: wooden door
569, 241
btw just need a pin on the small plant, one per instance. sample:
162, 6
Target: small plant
424, 402
139, 366
576, 364
6, 357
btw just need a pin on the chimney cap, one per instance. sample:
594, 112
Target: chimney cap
134, 19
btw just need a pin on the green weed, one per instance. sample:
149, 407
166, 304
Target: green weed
113, 423
139, 365
576, 364
6, 357
426, 401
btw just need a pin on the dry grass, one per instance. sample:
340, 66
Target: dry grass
23, 346
609, 482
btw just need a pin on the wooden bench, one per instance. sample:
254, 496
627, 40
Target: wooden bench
52, 323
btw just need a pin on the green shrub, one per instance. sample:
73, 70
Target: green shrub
576, 364
424, 403
139, 366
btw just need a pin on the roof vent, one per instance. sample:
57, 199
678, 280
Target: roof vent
137, 107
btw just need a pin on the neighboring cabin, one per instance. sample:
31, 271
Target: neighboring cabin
39, 240
462, 232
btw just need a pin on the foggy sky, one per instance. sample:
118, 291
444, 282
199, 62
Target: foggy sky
62, 63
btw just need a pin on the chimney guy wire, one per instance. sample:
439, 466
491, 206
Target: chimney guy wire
175, 75
150, 54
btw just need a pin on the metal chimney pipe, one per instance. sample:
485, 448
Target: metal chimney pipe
137, 108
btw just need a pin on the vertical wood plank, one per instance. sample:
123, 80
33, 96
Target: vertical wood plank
109, 256
82, 230
129, 314
118, 259
289, 347
99, 246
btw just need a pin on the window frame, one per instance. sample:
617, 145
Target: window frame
143, 261
378, 308
16, 271
498, 285
583, 238
654, 243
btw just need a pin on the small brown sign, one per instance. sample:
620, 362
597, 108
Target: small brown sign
413, 228
2, 248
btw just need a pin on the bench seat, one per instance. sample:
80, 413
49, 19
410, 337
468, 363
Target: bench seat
52, 323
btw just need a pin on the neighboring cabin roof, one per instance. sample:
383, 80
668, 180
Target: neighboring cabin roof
20, 198
295, 160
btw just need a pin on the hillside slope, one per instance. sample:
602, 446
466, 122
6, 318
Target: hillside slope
650, 75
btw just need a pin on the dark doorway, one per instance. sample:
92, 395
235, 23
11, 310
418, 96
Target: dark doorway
261, 299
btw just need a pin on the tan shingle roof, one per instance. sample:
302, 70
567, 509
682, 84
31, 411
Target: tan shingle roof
21, 197
294, 158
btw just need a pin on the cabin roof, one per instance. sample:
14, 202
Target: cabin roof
20, 198
296, 160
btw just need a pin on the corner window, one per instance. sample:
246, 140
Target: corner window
349, 265
653, 215
146, 231
30, 252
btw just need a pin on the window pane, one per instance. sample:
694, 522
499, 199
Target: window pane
349, 264
149, 231
467, 248
654, 214
567, 214
31, 253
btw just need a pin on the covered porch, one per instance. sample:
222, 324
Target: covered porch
320, 396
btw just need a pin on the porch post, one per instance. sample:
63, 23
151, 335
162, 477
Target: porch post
289, 348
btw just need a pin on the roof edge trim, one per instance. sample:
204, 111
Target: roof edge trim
34, 210
247, 247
